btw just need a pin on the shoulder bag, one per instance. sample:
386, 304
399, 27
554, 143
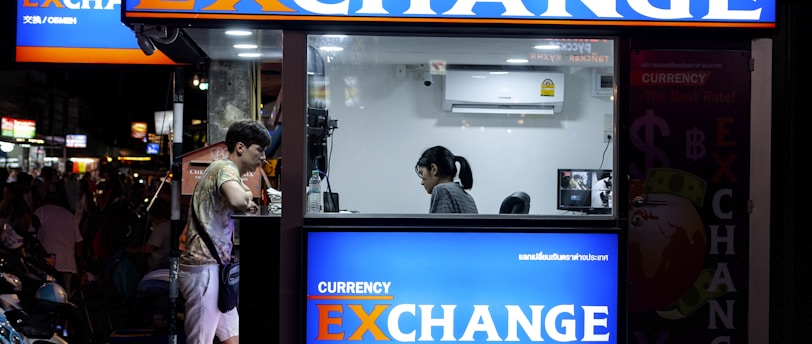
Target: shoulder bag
228, 277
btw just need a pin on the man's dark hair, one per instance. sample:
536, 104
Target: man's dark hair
248, 132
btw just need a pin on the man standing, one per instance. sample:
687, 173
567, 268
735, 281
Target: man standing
59, 235
219, 193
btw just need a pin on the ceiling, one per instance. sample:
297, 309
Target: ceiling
360, 49
219, 46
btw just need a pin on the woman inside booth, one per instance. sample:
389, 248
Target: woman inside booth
437, 168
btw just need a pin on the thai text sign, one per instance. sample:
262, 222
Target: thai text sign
407, 287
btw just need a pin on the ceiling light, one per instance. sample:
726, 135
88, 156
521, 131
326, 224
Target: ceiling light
245, 46
498, 73
238, 33
331, 48
547, 47
517, 61
249, 54
196, 80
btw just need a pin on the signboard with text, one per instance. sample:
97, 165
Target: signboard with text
19, 128
407, 287
67, 31
689, 163
689, 13
196, 161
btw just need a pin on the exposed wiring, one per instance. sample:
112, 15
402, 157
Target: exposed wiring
604, 151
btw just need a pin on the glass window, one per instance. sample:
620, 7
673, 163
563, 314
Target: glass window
532, 117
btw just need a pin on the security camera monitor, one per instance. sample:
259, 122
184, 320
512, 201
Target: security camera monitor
586, 191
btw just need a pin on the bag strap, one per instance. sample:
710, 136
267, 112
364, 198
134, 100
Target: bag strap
207, 239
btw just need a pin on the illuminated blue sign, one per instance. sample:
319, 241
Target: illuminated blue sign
77, 31
462, 287
710, 13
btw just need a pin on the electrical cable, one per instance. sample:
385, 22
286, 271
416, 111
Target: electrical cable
604, 152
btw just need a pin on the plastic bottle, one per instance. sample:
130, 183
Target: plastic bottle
314, 197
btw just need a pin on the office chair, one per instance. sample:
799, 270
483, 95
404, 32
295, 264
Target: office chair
517, 203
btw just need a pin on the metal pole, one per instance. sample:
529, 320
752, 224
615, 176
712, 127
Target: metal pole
176, 161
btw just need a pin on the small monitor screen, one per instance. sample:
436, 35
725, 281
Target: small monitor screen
585, 190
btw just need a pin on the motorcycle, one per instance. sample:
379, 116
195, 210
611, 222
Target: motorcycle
34, 308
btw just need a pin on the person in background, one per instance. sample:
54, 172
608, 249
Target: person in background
156, 249
14, 209
4, 176
577, 182
71, 189
26, 183
437, 168
45, 183
219, 193
59, 235
90, 181
113, 207
84, 215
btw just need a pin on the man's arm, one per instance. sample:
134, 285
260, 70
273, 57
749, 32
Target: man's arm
239, 197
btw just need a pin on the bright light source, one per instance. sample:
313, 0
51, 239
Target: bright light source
164, 121
331, 48
517, 61
245, 46
547, 47
249, 54
6, 146
238, 33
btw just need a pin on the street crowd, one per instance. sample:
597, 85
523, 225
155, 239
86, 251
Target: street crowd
103, 232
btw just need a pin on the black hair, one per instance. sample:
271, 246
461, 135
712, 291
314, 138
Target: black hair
248, 132
446, 165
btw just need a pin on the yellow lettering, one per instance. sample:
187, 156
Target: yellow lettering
273, 5
55, 2
228, 5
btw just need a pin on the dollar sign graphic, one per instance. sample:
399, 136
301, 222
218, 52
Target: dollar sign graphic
694, 147
648, 123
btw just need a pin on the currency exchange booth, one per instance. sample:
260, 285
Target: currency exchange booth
563, 110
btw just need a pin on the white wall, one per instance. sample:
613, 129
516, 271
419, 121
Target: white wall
377, 142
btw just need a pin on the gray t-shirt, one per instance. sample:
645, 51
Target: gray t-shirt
451, 198
214, 213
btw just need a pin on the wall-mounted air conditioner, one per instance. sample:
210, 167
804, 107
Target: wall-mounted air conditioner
503, 92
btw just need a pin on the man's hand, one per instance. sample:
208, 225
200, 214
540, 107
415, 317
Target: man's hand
253, 209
